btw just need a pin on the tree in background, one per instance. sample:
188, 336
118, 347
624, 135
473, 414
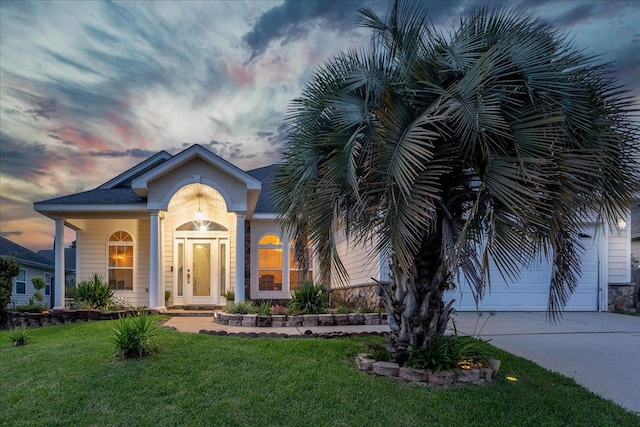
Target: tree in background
490, 144
9, 269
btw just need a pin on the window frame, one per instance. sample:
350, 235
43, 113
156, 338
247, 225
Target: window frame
293, 265
280, 268
123, 243
47, 284
23, 282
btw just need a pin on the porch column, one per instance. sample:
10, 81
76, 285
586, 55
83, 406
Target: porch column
154, 240
240, 256
59, 264
161, 305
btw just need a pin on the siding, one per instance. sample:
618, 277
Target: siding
635, 248
31, 272
618, 257
92, 254
359, 263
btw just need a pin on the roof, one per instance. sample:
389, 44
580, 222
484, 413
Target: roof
103, 196
22, 254
265, 175
69, 257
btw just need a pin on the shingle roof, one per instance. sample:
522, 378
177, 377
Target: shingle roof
69, 257
22, 254
102, 196
265, 200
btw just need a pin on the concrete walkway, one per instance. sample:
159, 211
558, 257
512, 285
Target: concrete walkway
600, 351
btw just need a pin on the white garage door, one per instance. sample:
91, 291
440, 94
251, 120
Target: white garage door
531, 291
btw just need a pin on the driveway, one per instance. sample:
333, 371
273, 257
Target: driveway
600, 351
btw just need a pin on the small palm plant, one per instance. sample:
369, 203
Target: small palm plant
135, 336
308, 298
19, 336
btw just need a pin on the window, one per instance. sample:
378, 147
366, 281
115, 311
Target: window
270, 263
47, 283
296, 274
21, 282
121, 261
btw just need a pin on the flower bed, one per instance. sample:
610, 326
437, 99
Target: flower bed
279, 321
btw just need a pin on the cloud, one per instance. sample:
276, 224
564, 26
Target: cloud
10, 233
134, 152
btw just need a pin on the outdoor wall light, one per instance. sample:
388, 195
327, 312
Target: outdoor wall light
622, 224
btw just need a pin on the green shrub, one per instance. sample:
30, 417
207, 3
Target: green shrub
135, 336
242, 307
343, 309
95, 291
9, 268
308, 299
70, 292
38, 285
264, 309
118, 303
19, 336
229, 296
31, 307
449, 353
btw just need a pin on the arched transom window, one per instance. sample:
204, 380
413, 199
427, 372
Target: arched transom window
121, 261
270, 263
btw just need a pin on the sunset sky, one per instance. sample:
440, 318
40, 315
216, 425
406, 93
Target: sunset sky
89, 89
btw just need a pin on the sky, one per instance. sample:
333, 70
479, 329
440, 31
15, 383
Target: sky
89, 89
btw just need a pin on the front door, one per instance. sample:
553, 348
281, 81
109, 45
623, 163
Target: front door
202, 270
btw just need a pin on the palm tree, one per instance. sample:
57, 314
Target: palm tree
447, 152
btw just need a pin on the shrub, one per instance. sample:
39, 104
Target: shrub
264, 309
31, 307
229, 296
242, 307
135, 336
448, 353
95, 291
278, 310
70, 292
19, 336
118, 303
9, 268
38, 285
308, 298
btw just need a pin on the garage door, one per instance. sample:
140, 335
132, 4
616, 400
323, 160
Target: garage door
531, 291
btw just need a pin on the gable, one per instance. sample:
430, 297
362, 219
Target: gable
22, 254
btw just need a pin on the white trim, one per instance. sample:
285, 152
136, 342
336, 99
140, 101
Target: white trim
132, 207
134, 170
59, 263
240, 256
264, 216
164, 205
132, 243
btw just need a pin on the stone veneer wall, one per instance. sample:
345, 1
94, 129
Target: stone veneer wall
623, 296
361, 296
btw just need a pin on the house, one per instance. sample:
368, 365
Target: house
197, 227
634, 227
31, 265
69, 263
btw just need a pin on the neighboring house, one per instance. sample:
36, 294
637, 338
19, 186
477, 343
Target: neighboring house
69, 263
197, 226
31, 265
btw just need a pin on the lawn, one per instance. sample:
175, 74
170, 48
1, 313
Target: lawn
67, 375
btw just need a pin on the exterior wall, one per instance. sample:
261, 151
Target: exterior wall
163, 188
635, 248
31, 272
359, 263
618, 257
92, 243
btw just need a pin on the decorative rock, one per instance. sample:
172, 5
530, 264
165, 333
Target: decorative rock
294, 321
249, 320
371, 319
356, 319
364, 362
222, 318
468, 375
441, 378
310, 320
486, 374
263, 321
495, 366
386, 369
325, 319
341, 319
278, 321
235, 320
412, 374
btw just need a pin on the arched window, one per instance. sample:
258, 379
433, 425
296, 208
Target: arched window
121, 261
270, 263
296, 273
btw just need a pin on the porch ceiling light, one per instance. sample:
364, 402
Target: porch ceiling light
199, 213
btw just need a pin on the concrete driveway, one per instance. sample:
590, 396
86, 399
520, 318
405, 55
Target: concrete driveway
600, 351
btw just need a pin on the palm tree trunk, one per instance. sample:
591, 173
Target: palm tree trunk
413, 299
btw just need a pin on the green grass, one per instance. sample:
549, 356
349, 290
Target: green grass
67, 375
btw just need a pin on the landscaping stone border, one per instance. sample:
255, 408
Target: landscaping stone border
295, 321
63, 316
307, 334
475, 376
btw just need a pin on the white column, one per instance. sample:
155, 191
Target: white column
239, 256
59, 262
154, 250
161, 305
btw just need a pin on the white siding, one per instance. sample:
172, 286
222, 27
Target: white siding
92, 244
359, 262
619, 257
31, 272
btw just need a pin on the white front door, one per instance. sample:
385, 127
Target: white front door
202, 270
